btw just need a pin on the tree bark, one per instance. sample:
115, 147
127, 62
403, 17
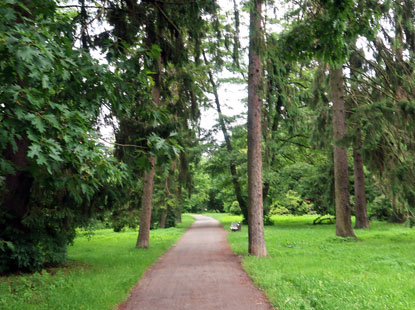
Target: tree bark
163, 218
397, 215
273, 127
255, 204
168, 194
341, 178
362, 220
179, 201
237, 44
232, 166
19, 184
143, 239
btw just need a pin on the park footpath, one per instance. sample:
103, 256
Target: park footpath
200, 273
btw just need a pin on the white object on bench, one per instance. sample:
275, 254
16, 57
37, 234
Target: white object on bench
236, 226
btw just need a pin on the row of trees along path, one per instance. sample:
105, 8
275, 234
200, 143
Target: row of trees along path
55, 175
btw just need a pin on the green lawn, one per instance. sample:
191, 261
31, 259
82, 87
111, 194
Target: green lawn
100, 274
310, 268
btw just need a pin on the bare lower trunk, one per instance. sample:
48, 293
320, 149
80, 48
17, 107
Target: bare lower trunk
146, 206
163, 218
255, 204
362, 220
272, 127
237, 44
179, 202
179, 216
341, 177
18, 185
18, 188
397, 215
143, 239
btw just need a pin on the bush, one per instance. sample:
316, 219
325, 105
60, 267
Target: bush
291, 204
234, 208
267, 220
277, 209
315, 183
125, 218
380, 208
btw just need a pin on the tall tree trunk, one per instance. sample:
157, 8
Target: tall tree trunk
179, 201
143, 239
18, 185
168, 194
271, 127
341, 177
236, 44
163, 218
397, 215
232, 166
362, 220
255, 205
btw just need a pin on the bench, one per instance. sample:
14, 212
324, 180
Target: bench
236, 226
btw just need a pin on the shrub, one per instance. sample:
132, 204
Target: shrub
234, 208
293, 204
277, 209
380, 208
267, 220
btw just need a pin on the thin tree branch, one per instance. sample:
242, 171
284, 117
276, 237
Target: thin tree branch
86, 7
166, 17
89, 23
124, 145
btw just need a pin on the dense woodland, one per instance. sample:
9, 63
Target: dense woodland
327, 128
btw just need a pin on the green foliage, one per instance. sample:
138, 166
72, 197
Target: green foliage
51, 95
380, 209
313, 183
326, 29
279, 209
170, 218
268, 220
234, 208
291, 204
122, 218
101, 271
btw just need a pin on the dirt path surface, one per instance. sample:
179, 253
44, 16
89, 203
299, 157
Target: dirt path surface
200, 273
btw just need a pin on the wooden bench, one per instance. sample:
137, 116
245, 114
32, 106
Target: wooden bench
236, 226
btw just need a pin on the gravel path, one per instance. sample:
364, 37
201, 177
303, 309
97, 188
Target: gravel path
200, 273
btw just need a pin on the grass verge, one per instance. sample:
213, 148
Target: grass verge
310, 268
102, 270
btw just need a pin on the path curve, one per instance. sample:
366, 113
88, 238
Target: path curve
200, 273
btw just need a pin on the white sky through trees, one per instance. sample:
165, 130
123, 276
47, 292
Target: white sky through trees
232, 96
